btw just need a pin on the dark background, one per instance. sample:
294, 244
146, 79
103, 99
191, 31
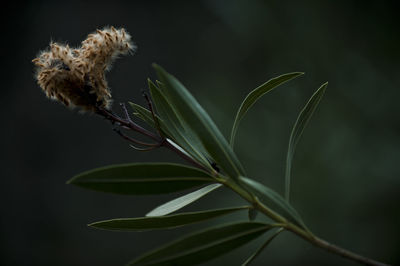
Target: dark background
345, 174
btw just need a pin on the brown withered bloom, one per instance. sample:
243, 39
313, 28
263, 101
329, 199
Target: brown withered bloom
76, 77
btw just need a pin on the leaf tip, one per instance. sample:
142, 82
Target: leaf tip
151, 83
294, 74
75, 180
157, 67
94, 225
323, 87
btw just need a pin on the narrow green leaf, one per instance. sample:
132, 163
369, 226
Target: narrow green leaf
255, 95
142, 178
147, 117
182, 201
252, 214
185, 129
163, 222
199, 122
176, 127
272, 199
143, 114
262, 247
204, 245
297, 130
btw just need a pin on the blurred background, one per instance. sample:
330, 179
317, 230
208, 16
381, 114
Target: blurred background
346, 182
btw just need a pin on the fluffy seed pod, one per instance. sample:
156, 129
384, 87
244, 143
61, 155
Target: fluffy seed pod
76, 77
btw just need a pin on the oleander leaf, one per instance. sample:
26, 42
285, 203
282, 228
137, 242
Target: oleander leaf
255, 95
163, 222
177, 128
179, 203
147, 117
297, 131
272, 199
252, 214
203, 246
262, 247
142, 178
199, 122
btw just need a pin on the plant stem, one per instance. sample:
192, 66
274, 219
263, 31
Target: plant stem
184, 156
127, 124
316, 241
345, 253
253, 200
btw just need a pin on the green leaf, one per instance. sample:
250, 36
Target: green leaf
252, 214
147, 117
182, 201
142, 178
204, 245
297, 130
200, 124
272, 199
163, 222
255, 95
262, 247
177, 129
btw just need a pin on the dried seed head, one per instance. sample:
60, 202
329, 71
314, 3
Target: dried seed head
75, 77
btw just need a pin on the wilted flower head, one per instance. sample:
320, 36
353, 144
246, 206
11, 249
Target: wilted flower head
75, 77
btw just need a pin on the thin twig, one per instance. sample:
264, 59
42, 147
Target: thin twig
345, 253
127, 124
127, 116
316, 241
119, 132
156, 122
184, 156
142, 149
